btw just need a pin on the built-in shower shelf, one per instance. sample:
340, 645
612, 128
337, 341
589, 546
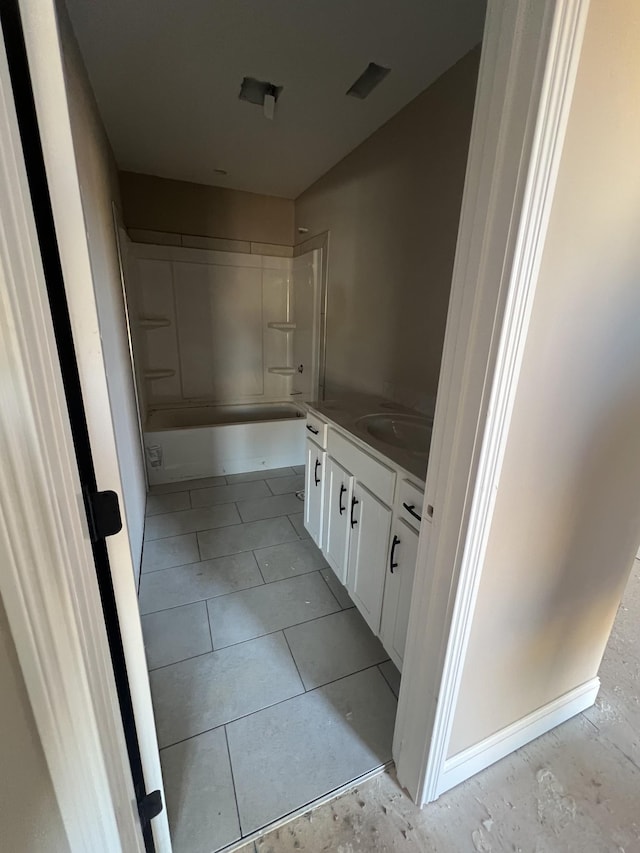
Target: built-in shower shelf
282, 327
282, 371
159, 374
154, 322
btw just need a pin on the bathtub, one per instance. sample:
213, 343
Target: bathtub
187, 442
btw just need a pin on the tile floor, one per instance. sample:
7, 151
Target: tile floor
269, 690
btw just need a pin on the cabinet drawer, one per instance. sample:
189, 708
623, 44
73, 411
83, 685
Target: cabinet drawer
410, 503
316, 429
376, 477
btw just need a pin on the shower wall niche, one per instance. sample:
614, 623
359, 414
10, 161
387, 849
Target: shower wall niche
214, 327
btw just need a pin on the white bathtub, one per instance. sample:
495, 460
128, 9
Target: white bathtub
208, 441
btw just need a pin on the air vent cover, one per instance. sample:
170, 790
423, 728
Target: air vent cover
255, 91
368, 80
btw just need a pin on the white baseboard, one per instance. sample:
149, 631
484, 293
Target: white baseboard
470, 761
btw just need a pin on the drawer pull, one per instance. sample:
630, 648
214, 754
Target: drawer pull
354, 501
313, 429
411, 509
315, 473
392, 565
343, 489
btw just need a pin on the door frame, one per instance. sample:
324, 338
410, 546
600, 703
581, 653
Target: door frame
48, 579
41, 33
529, 62
529, 59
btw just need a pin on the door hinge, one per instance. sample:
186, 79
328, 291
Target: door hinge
103, 514
150, 806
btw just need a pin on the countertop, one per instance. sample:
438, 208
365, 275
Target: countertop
344, 412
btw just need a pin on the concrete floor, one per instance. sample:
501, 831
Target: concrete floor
577, 788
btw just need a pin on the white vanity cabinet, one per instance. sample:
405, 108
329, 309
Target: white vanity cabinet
370, 523
313, 491
365, 517
358, 498
403, 552
338, 492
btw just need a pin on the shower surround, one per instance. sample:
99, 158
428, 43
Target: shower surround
225, 345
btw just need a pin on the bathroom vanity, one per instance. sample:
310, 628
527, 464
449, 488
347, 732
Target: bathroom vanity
365, 469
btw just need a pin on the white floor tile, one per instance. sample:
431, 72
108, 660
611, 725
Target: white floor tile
173, 551
190, 520
337, 588
229, 494
269, 507
202, 693
245, 537
170, 502
283, 485
198, 581
176, 634
299, 469
264, 609
292, 558
332, 647
286, 756
201, 803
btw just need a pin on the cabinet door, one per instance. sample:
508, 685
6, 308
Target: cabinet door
313, 498
398, 589
370, 522
338, 491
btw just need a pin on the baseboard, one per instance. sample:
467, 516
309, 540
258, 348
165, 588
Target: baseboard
470, 761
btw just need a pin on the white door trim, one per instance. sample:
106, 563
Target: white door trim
48, 581
527, 72
46, 66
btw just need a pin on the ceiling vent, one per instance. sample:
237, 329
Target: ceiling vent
368, 80
260, 92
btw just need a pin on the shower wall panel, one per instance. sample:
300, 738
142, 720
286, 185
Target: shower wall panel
209, 325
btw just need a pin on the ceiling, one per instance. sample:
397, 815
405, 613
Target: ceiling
167, 73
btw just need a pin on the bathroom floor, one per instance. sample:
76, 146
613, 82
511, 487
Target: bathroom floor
269, 690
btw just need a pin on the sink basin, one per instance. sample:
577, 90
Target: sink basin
409, 432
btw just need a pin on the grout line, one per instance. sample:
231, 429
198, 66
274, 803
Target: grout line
233, 781
387, 682
295, 662
197, 600
220, 556
272, 704
206, 604
335, 597
285, 628
182, 660
253, 553
203, 530
233, 591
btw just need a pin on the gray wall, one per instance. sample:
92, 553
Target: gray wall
392, 209
567, 518
180, 207
99, 186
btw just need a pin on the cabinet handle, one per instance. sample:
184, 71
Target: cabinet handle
313, 429
392, 565
315, 473
410, 508
343, 489
354, 501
